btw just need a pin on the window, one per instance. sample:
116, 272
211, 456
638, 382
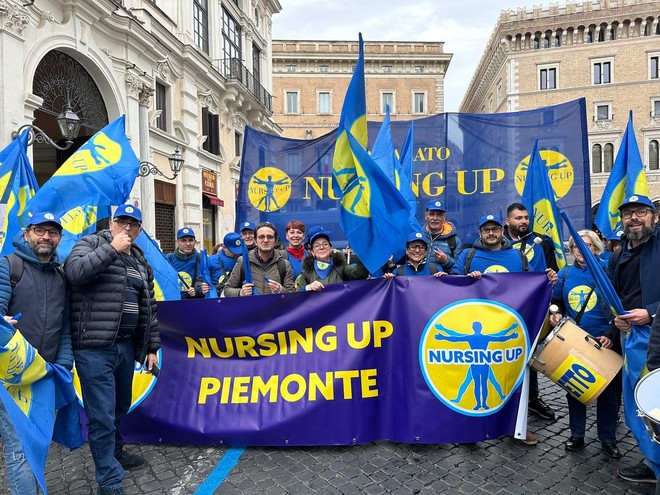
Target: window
161, 104
256, 17
419, 68
602, 111
546, 41
291, 68
490, 104
499, 93
596, 159
211, 129
324, 69
602, 72
256, 63
653, 67
201, 24
655, 107
238, 144
387, 68
608, 157
324, 102
419, 102
291, 102
653, 155
548, 78
387, 98
231, 38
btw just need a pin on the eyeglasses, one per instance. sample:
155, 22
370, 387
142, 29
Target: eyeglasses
491, 230
416, 248
640, 213
320, 245
264, 236
589, 245
40, 231
122, 222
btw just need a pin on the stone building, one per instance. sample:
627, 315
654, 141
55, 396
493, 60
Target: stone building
188, 74
607, 51
310, 80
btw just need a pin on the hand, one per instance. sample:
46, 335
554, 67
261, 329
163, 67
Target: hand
122, 243
604, 341
552, 275
275, 287
475, 274
11, 320
440, 273
190, 291
246, 290
439, 256
637, 316
205, 288
317, 286
385, 275
555, 319
151, 360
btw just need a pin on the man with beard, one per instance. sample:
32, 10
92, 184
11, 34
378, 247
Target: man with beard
444, 244
541, 257
634, 270
33, 284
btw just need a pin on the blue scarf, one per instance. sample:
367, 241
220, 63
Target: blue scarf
323, 269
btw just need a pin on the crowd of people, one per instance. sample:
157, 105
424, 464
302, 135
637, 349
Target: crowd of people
102, 310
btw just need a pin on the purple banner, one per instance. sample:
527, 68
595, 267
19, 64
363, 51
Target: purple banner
416, 360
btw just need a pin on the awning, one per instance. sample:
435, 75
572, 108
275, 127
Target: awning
215, 201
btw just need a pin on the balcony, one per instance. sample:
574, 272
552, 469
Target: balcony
233, 69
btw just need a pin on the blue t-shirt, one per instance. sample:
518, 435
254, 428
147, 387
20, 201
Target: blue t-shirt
535, 255
503, 260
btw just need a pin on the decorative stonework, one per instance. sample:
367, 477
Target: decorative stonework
138, 89
144, 95
13, 16
166, 72
603, 125
208, 99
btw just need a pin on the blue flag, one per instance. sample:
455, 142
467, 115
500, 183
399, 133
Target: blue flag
205, 273
247, 269
372, 208
17, 185
32, 390
100, 174
539, 199
408, 153
626, 179
166, 284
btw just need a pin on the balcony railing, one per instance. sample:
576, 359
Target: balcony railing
233, 68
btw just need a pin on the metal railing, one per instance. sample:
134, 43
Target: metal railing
233, 68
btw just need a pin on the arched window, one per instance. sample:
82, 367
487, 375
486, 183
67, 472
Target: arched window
590, 36
546, 41
653, 155
596, 161
537, 43
601, 33
608, 157
558, 39
613, 31
657, 27
647, 28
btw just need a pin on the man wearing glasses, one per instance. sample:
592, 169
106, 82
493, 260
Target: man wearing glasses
33, 284
113, 325
271, 274
634, 270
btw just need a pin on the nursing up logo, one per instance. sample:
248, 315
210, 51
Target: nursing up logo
578, 295
269, 189
560, 171
473, 355
143, 383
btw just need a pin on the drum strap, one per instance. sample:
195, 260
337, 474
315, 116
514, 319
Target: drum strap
578, 317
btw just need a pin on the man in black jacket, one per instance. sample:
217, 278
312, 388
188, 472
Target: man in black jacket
113, 324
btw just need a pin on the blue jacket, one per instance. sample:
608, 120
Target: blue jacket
221, 266
505, 259
185, 266
443, 241
47, 297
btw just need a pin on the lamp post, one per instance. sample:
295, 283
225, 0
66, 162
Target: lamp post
68, 122
176, 163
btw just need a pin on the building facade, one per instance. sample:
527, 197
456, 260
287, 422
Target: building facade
607, 51
188, 75
310, 79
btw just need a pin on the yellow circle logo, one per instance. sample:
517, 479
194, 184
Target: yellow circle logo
185, 281
269, 189
578, 295
473, 355
496, 269
355, 190
143, 383
559, 169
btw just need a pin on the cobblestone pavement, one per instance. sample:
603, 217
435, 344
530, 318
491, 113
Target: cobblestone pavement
502, 466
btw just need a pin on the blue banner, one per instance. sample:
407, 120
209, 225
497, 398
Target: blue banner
475, 164
359, 362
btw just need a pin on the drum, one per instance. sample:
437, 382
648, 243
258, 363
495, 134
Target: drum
576, 361
647, 399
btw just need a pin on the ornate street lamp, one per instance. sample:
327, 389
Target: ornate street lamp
68, 122
176, 163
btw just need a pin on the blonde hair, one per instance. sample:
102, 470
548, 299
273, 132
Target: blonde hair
593, 237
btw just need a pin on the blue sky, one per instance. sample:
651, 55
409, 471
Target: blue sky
464, 27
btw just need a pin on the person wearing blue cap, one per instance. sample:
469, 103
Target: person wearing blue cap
194, 282
634, 270
612, 243
324, 266
246, 230
114, 324
444, 244
415, 260
33, 288
222, 263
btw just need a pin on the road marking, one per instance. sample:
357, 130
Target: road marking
226, 464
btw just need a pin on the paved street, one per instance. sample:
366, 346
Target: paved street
500, 466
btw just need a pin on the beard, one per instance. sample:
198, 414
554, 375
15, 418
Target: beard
520, 231
42, 248
639, 235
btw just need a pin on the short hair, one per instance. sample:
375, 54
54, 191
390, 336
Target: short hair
265, 224
295, 224
515, 206
593, 237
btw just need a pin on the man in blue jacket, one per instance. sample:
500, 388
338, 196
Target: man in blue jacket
187, 261
444, 244
33, 284
222, 264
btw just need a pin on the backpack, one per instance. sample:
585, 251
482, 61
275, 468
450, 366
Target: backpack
470, 255
16, 267
451, 242
281, 268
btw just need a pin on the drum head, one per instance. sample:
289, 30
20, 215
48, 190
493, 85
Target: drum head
647, 396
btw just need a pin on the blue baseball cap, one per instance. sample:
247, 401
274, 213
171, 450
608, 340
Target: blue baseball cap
45, 217
435, 205
246, 226
127, 210
637, 199
490, 218
615, 236
316, 232
417, 236
233, 242
185, 232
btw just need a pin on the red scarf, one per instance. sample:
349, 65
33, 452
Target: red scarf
298, 254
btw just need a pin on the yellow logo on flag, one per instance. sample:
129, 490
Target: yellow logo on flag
578, 295
103, 153
78, 219
560, 171
269, 189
